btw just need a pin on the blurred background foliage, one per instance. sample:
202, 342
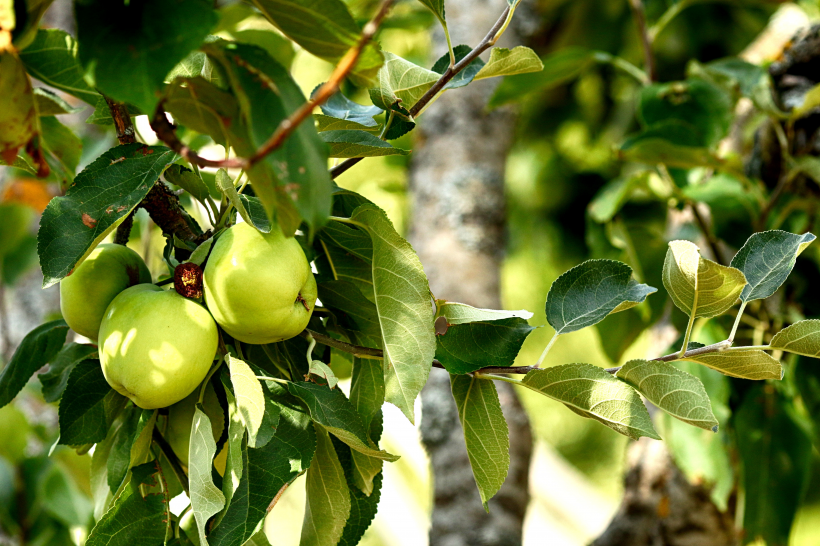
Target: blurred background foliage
570, 197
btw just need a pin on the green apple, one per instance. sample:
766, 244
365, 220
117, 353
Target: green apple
259, 287
181, 417
87, 292
155, 345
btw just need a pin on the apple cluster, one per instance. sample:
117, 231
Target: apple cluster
156, 346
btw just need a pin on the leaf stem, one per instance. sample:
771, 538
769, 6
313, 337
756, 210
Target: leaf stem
689, 326
344, 220
640, 21
276, 379
737, 321
491, 377
166, 450
547, 350
750, 347
309, 354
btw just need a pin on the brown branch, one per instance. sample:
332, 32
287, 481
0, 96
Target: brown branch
122, 121
640, 21
707, 233
166, 132
487, 42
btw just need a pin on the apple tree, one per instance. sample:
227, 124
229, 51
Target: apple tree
217, 378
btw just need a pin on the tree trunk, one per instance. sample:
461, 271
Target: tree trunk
457, 228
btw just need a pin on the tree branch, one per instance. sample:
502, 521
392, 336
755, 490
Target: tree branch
487, 42
646, 43
166, 132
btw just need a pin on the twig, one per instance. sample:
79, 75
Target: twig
707, 233
166, 133
487, 42
124, 229
640, 22
714, 348
122, 121
172, 460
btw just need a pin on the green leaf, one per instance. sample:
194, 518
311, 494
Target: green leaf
256, 212
130, 48
673, 143
461, 313
202, 106
270, 469
87, 406
226, 185
249, 397
38, 347
323, 373
705, 108
485, 433
324, 28
293, 181
131, 445
332, 410
55, 379
206, 499
28, 15
589, 292
465, 348
437, 7
592, 392
509, 62
358, 144
353, 311
367, 397
135, 517
363, 505
676, 392
776, 454
62, 497
328, 497
342, 108
466, 75
698, 286
400, 81
767, 259
50, 103
612, 196
52, 59
64, 146
746, 364
100, 198
188, 180
404, 304
801, 338
559, 67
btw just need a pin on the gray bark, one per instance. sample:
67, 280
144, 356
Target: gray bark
458, 230
661, 508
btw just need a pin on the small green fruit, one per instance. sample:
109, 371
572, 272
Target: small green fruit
155, 345
87, 292
259, 287
181, 417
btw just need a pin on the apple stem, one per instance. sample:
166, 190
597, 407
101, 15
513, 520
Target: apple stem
303, 300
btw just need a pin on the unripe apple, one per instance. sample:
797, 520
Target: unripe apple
87, 292
259, 287
155, 345
181, 418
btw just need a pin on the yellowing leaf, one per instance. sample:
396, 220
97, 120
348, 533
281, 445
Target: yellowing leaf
508, 62
249, 398
802, 338
698, 286
328, 497
746, 364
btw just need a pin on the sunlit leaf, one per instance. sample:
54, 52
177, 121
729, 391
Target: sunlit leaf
592, 392
52, 59
589, 292
404, 304
323, 374
509, 62
399, 80
485, 432
698, 286
250, 400
206, 498
676, 392
102, 195
328, 497
767, 259
461, 313
802, 337
746, 364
